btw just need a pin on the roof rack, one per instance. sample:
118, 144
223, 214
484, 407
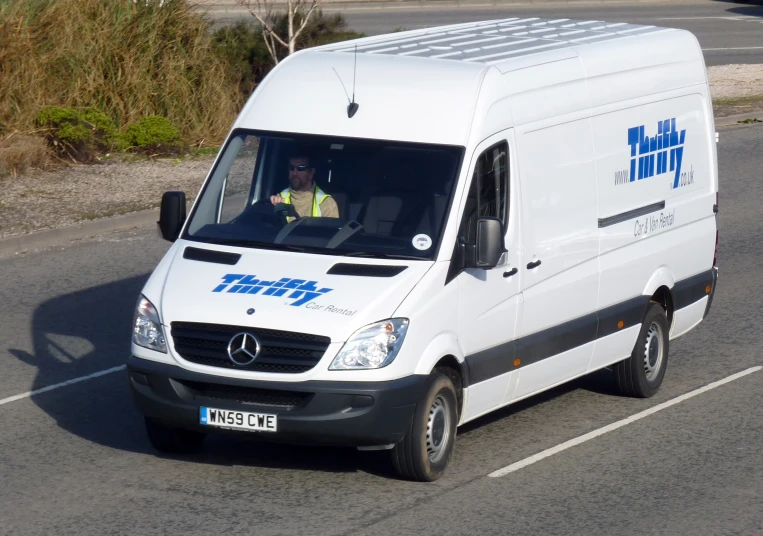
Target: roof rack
494, 41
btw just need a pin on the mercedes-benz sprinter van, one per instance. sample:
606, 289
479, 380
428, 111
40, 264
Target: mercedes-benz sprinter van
405, 232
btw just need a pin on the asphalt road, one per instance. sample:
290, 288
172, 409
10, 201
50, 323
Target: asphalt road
74, 460
728, 32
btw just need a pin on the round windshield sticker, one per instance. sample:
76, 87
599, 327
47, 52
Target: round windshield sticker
422, 242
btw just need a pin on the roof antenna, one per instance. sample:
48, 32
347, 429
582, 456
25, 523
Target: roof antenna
353, 107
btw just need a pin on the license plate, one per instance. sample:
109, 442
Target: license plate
239, 420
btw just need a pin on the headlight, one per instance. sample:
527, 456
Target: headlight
147, 328
372, 347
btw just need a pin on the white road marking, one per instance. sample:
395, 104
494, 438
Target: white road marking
735, 48
62, 384
615, 425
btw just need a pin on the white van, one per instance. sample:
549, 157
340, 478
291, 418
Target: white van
403, 233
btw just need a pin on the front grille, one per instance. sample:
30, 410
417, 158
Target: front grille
247, 395
281, 351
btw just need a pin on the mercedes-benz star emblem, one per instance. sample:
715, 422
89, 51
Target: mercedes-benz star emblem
243, 349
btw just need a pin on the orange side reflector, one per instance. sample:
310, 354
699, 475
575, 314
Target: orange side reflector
516, 362
707, 289
620, 324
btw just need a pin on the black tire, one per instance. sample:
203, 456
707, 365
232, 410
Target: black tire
642, 373
169, 440
426, 449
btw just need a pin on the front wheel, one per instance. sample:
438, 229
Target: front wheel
425, 451
642, 373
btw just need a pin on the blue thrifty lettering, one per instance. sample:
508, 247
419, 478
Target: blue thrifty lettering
650, 156
299, 290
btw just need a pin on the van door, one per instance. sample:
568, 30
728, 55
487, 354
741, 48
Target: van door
560, 281
488, 299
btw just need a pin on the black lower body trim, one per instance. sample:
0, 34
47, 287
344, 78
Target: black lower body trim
490, 363
693, 289
556, 340
309, 412
630, 313
536, 347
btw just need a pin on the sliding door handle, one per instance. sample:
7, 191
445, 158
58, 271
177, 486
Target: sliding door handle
532, 265
511, 272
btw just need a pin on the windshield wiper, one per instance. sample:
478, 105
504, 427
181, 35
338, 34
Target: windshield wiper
380, 255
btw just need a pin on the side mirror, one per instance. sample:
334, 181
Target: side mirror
489, 247
172, 215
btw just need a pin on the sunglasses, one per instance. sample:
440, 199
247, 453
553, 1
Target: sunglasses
298, 168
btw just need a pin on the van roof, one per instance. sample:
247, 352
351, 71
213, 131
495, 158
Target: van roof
496, 41
443, 85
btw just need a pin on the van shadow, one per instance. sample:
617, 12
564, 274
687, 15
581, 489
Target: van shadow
88, 331
600, 382
751, 8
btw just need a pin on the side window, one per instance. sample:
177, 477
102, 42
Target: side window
489, 191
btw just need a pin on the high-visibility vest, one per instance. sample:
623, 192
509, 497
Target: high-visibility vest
319, 196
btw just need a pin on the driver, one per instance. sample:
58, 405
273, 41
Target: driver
303, 193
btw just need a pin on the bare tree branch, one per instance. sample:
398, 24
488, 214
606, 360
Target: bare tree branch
315, 4
265, 25
269, 33
290, 15
271, 46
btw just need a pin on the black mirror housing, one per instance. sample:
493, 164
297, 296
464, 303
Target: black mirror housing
489, 247
172, 215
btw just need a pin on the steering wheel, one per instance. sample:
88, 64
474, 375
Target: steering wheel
262, 212
286, 210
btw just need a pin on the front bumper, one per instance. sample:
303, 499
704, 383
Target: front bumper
310, 412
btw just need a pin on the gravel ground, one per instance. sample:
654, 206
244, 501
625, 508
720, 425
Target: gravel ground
736, 81
47, 199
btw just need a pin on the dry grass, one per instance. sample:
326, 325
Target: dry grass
20, 152
128, 59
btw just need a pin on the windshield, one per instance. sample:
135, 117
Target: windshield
340, 196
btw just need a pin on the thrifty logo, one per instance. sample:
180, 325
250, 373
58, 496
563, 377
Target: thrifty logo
666, 146
300, 290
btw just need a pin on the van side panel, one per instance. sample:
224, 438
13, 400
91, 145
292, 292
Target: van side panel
656, 187
558, 200
651, 154
559, 230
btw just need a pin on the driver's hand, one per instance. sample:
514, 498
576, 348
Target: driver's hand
275, 199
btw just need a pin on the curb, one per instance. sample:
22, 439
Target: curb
144, 218
733, 120
77, 232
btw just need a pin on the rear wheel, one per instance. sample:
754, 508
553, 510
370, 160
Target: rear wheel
642, 373
167, 439
426, 449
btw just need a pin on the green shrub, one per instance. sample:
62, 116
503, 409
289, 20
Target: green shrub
55, 116
101, 122
78, 134
153, 134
